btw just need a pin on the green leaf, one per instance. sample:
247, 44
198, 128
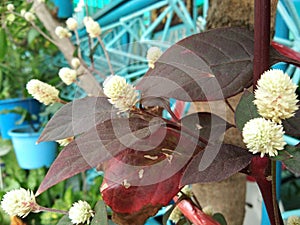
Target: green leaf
3, 44
100, 214
246, 110
32, 34
290, 156
220, 218
65, 221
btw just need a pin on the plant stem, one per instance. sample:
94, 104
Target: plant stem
274, 197
106, 55
45, 209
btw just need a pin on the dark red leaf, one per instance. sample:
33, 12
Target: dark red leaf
227, 160
77, 117
292, 125
207, 66
281, 53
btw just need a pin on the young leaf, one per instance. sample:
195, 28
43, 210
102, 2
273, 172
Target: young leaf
290, 156
219, 218
211, 65
229, 160
3, 44
245, 110
100, 214
77, 117
65, 221
292, 125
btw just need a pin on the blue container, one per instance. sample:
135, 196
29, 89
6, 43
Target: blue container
64, 8
8, 121
29, 154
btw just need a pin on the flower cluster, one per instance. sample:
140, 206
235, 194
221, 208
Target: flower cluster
276, 100
81, 213
122, 95
153, 54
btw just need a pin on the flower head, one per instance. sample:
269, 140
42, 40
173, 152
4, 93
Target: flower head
30, 17
62, 32
263, 136
65, 142
293, 220
122, 95
92, 27
275, 96
19, 202
22, 12
75, 63
72, 23
153, 54
10, 7
42, 92
67, 75
81, 212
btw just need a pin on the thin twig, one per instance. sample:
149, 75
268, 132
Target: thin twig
106, 55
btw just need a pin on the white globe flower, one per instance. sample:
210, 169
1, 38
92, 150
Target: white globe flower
10, 7
75, 62
65, 142
122, 95
22, 12
19, 202
275, 96
263, 136
62, 32
153, 54
72, 24
42, 92
67, 75
30, 17
92, 27
81, 212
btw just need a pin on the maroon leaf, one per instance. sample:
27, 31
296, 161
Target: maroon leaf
281, 53
229, 160
206, 125
77, 117
292, 125
99, 144
207, 66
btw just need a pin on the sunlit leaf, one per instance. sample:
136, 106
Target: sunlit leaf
3, 44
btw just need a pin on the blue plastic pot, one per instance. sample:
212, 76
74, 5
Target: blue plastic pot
64, 8
29, 154
8, 121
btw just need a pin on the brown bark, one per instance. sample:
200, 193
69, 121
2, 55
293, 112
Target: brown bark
87, 81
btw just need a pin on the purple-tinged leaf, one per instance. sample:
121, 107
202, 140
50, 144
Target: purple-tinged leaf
281, 53
290, 156
211, 65
245, 110
292, 125
229, 160
100, 144
77, 117
206, 125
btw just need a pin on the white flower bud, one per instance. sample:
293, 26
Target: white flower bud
275, 96
65, 142
122, 95
42, 92
10, 7
92, 27
81, 213
22, 12
153, 54
19, 202
62, 32
75, 62
263, 136
72, 24
67, 75
30, 17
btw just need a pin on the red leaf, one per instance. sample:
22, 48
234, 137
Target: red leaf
281, 53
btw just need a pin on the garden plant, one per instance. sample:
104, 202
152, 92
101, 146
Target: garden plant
147, 158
